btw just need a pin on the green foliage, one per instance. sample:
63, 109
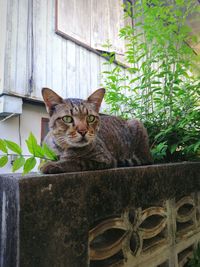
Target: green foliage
18, 163
13, 147
159, 86
49, 153
3, 147
36, 151
29, 164
195, 261
3, 161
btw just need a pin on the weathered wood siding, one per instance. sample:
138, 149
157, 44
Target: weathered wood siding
3, 14
35, 56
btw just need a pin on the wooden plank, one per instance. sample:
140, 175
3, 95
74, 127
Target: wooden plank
84, 71
95, 72
39, 45
22, 60
11, 45
73, 20
99, 24
116, 22
49, 40
57, 66
77, 73
103, 67
64, 67
3, 22
106, 21
72, 69
56, 70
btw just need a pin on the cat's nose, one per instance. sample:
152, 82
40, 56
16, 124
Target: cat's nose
82, 132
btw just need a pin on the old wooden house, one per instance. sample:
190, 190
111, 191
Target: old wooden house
55, 44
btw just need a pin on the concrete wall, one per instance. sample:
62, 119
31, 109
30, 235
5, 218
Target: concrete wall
129, 217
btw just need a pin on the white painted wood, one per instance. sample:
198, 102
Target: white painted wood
11, 45
73, 19
77, 74
64, 67
106, 21
49, 49
116, 22
39, 45
84, 76
95, 79
3, 21
22, 68
100, 24
33, 49
72, 69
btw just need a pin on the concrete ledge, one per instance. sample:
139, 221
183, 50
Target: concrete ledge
57, 212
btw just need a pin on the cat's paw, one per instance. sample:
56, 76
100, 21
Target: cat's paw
51, 167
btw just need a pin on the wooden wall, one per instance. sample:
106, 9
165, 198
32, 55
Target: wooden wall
35, 56
3, 15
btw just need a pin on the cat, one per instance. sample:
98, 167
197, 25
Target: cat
84, 139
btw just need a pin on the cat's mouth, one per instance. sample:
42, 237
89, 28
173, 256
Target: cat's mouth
83, 140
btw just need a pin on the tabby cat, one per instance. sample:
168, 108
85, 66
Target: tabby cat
84, 139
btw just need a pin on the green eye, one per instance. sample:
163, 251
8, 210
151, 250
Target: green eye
67, 119
91, 118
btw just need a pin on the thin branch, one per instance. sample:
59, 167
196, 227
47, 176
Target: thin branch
10, 154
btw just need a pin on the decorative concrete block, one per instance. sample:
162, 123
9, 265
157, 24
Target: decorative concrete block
117, 217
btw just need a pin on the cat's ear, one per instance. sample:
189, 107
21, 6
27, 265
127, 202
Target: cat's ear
51, 99
96, 98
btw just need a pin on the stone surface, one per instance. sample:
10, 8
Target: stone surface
9, 217
57, 211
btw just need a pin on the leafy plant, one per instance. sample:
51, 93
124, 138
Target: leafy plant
36, 151
195, 261
158, 86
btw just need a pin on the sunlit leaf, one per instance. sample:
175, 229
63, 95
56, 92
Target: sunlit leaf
3, 161
50, 154
3, 146
18, 163
31, 143
13, 147
29, 165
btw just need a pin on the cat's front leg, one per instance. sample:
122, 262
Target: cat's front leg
61, 166
67, 165
51, 167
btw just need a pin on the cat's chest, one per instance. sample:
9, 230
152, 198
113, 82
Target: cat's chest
90, 151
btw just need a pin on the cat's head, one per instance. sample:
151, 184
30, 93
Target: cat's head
74, 122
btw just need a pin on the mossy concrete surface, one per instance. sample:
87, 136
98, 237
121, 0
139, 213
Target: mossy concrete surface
55, 212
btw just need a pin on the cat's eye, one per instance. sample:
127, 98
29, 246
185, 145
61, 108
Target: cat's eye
67, 119
91, 118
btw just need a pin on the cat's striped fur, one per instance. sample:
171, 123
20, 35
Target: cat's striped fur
86, 140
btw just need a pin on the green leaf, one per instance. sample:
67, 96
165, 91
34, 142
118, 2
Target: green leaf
3, 161
173, 148
14, 147
39, 151
33, 147
18, 163
197, 146
31, 143
50, 154
3, 146
29, 165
